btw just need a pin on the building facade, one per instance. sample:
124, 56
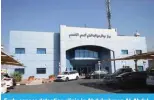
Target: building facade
74, 48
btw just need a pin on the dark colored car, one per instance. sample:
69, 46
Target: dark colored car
131, 79
88, 75
110, 78
150, 79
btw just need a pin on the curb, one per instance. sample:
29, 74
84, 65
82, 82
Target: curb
20, 84
35, 84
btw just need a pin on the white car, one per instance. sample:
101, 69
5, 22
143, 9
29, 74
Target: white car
150, 80
66, 76
3, 87
8, 81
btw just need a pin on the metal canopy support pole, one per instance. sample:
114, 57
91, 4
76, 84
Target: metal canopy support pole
136, 69
113, 60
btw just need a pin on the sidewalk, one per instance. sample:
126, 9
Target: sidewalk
34, 82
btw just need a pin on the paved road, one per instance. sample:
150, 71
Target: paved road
76, 86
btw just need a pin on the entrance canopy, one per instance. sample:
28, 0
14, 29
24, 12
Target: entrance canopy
149, 55
8, 60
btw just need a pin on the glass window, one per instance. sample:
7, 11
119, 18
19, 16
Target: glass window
124, 52
86, 53
20, 70
19, 50
41, 50
91, 54
138, 51
140, 68
41, 70
77, 53
95, 55
81, 53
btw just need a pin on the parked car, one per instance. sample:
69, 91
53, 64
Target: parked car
66, 76
150, 80
110, 78
131, 79
3, 86
8, 80
88, 75
96, 74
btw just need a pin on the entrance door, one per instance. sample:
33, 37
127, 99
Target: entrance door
83, 71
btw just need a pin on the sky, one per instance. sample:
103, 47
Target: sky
46, 16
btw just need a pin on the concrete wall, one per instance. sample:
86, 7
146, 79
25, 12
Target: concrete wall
71, 37
31, 41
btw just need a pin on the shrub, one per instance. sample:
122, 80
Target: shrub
17, 76
31, 78
51, 75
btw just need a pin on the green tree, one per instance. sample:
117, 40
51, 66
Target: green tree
17, 76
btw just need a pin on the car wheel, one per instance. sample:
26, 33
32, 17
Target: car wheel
77, 77
67, 79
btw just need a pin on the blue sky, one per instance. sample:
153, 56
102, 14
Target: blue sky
46, 15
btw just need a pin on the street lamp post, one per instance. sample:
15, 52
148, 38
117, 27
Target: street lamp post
99, 63
59, 68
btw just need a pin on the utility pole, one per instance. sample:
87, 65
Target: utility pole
108, 8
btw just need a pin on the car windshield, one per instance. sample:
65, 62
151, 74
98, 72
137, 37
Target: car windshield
65, 73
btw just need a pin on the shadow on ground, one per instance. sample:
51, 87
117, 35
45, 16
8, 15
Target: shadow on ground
115, 89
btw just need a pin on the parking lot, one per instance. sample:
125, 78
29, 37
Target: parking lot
76, 86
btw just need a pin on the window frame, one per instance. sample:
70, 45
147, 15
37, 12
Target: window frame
19, 70
140, 66
123, 50
21, 52
138, 51
41, 72
38, 52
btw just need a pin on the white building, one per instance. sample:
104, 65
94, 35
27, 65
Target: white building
76, 48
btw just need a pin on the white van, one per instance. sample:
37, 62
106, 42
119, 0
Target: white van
3, 87
8, 80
